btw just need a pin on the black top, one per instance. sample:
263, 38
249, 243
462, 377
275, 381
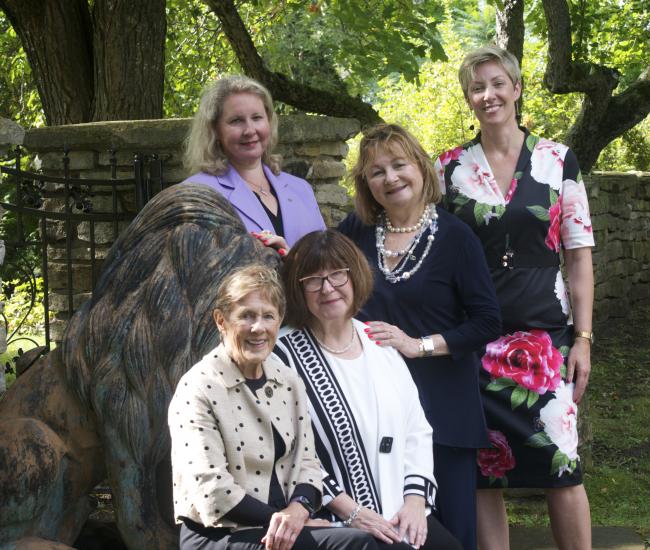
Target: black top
276, 219
451, 294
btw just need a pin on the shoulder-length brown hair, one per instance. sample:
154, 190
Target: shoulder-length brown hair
317, 251
398, 141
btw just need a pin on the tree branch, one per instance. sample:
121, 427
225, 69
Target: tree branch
282, 88
603, 117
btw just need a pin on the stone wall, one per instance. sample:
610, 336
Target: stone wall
620, 206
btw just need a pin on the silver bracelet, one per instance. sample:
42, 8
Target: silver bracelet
353, 515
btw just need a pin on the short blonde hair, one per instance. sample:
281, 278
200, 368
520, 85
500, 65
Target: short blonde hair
203, 153
242, 282
317, 251
485, 54
399, 141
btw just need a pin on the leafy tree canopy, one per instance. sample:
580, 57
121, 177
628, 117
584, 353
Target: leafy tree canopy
388, 53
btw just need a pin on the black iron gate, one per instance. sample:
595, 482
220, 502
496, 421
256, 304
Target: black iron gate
50, 213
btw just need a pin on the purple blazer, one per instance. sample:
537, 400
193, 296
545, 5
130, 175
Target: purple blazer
300, 213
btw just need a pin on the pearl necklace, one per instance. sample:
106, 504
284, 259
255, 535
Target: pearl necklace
396, 275
408, 229
337, 351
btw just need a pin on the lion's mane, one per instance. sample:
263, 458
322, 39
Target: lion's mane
150, 316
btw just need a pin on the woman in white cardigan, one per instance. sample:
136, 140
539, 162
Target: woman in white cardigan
372, 437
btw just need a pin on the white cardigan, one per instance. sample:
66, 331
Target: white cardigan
352, 413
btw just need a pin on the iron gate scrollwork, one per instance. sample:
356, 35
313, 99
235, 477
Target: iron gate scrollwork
68, 223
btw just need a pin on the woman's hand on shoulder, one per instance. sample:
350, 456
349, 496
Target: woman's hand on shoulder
371, 522
411, 521
285, 526
385, 334
272, 241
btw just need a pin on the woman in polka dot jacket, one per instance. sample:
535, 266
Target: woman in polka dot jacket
242, 446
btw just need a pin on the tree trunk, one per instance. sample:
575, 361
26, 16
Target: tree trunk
282, 88
55, 35
129, 46
510, 28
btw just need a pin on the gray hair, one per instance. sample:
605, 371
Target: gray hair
485, 54
203, 153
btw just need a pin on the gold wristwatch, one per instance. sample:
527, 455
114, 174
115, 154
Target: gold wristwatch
584, 334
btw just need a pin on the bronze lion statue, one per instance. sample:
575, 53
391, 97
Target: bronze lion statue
96, 407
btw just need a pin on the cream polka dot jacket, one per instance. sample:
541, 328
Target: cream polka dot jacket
222, 438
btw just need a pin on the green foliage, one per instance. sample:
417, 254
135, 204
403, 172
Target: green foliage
196, 52
23, 318
19, 99
23, 308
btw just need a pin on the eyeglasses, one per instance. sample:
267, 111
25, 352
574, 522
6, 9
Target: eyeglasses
314, 283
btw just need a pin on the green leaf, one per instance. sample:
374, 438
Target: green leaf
518, 396
480, 210
539, 212
500, 384
533, 396
460, 199
492, 480
559, 460
518, 175
531, 141
540, 439
553, 195
563, 371
564, 350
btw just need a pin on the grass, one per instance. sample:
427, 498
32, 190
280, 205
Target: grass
618, 480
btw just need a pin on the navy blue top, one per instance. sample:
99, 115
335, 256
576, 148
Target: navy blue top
452, 295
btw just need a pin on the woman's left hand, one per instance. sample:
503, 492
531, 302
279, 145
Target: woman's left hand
579, 365
272, 241
384, 334
284, 528
411, 521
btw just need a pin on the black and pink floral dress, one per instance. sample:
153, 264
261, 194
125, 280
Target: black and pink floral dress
531, 416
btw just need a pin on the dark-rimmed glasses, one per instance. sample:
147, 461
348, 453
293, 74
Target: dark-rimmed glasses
314, 283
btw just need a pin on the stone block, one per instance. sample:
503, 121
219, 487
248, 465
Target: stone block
331, 194
336, 149
105, 232
322, 169
11, 133
81, 277
121, 135
59, 301
78, 160
57, 329
80, 251
56, 230
309, 128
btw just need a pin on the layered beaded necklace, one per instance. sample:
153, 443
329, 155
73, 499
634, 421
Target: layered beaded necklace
429, 220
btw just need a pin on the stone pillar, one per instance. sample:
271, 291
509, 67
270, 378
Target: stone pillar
313, 147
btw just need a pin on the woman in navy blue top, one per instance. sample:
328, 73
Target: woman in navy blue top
433, 301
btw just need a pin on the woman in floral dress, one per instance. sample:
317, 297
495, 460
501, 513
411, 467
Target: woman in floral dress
524, 198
